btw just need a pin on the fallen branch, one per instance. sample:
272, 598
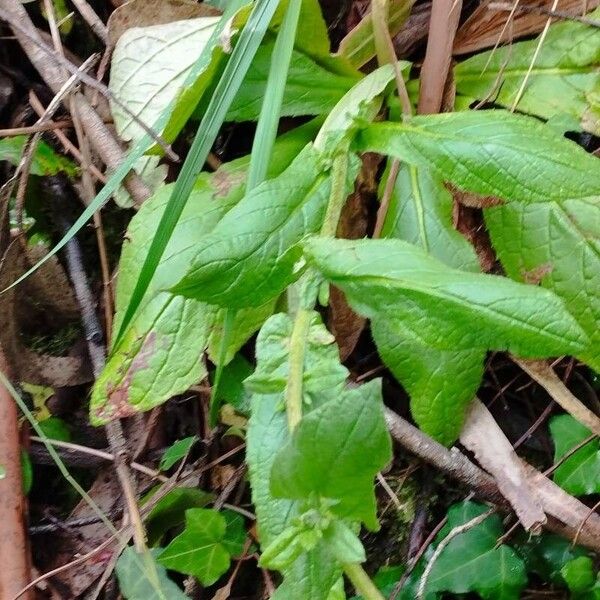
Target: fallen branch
565, 514
482, 436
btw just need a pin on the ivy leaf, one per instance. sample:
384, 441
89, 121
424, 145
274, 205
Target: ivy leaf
205, 546
251, 255
556, 244
471, 562
579, 575
176, 452
564, 75
490, 152
546, 554
438, 305
45, 160
441, 383
133, 579
580, 473
160, 354
335, 453
169, 512
314, 573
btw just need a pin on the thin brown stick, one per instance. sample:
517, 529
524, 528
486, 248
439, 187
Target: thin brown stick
445, 15
92, 19
541, 10
108, 148
38, 127
64, 140
100, 454
14, 550
545, 376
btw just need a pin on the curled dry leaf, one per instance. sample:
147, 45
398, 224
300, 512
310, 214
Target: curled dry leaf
141, 13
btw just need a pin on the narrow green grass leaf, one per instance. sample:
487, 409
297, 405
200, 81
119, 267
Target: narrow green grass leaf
222, 98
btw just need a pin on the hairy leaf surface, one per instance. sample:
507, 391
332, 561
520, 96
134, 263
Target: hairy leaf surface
335, 453
557, 245
251, 255
441, 383
314, 573
490, 152
438, 305
160, 354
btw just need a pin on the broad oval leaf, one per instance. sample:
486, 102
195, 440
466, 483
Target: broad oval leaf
251, 255
490, 152
335, 452
436, 305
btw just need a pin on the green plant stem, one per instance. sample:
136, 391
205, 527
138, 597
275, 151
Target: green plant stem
337, 197
228, 322
362, 582
293, 390
266, 130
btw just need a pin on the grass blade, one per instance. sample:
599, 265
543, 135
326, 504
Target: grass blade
228, 86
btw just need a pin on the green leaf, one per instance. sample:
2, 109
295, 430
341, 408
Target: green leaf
359, 44
149, 67
231, 388
579, 574
169, 512
56, 429
134, 583
176, 452
314, 573
301, 95
26, 472
45, 160
546, 554
422, 313
246, 322
471, 562
556, 244
251, 255
580, 473
343, 543
441, 383
335, 453
438, 305
359, 102
160, 355
564, 74
490, 152
204, 547
420, 212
